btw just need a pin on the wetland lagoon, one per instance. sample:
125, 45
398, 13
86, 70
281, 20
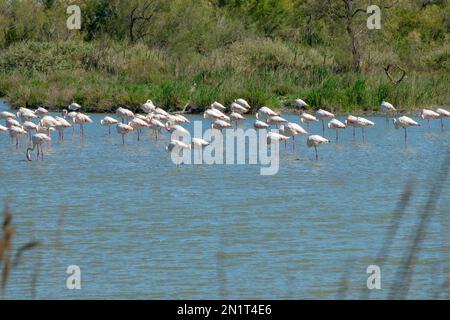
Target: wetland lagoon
140, 227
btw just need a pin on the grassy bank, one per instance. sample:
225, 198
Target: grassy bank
102, 77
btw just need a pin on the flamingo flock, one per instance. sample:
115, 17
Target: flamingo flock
157, 120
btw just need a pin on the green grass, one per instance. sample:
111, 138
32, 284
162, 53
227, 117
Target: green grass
263, 72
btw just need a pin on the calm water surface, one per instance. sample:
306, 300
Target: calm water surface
139, 228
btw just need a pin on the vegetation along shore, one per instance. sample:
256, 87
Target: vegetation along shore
187, 54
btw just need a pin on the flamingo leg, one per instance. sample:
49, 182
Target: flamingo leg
406, 137
293, 147
337, 135
363, 135
323, 127
123, 139
109, 130
317, 155
354, 133
17, 143
42, 155
442, 123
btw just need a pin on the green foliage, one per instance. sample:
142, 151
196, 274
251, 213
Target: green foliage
198, 51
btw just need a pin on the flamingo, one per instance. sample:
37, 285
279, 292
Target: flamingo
275, 137
3, 129
322, 115
5, 115
276, 120
158, 125
214, 114
62, 124
221, 125
358, 122
148, 107
315, 141
124, 114
405, 122
260, 125
238, 108
74, 106
29, 126
292, 130
234, 116
265, 113
161, 112
177, 146
427, 114
81, 119
243, 103
363, 123
26, 114
108, 121
307, 118
37, 140
176, 128
218, 106
41, 112
337, 125
350, 122
182, 119
124, 129
48, 122
443, 114
387, 108
199, 144
299, 103
10, 122
15, 132
138, 124
71, 118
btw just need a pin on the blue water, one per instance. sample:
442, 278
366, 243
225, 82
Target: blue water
141, 228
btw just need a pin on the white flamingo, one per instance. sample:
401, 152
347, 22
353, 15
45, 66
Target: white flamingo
405, 122
176, 128
238, 108
307, 118
218, 106
82, 119
276, 120
138, 125
315, 141
234, 116
148, 107
443, 114
29, 126
177, 146
292, 130
37, 141
221, 125
299, 103
124, 129
157, 126
359, 122
428, 115
41, 112
108, 122
61, 126
26, 114
276, 137
214, 114
388, 108
74, 106
124, 114
337, 125
350, 122
10, 122
265, 112
15, 132
260, 125
322, 115
7, 115
243, 103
